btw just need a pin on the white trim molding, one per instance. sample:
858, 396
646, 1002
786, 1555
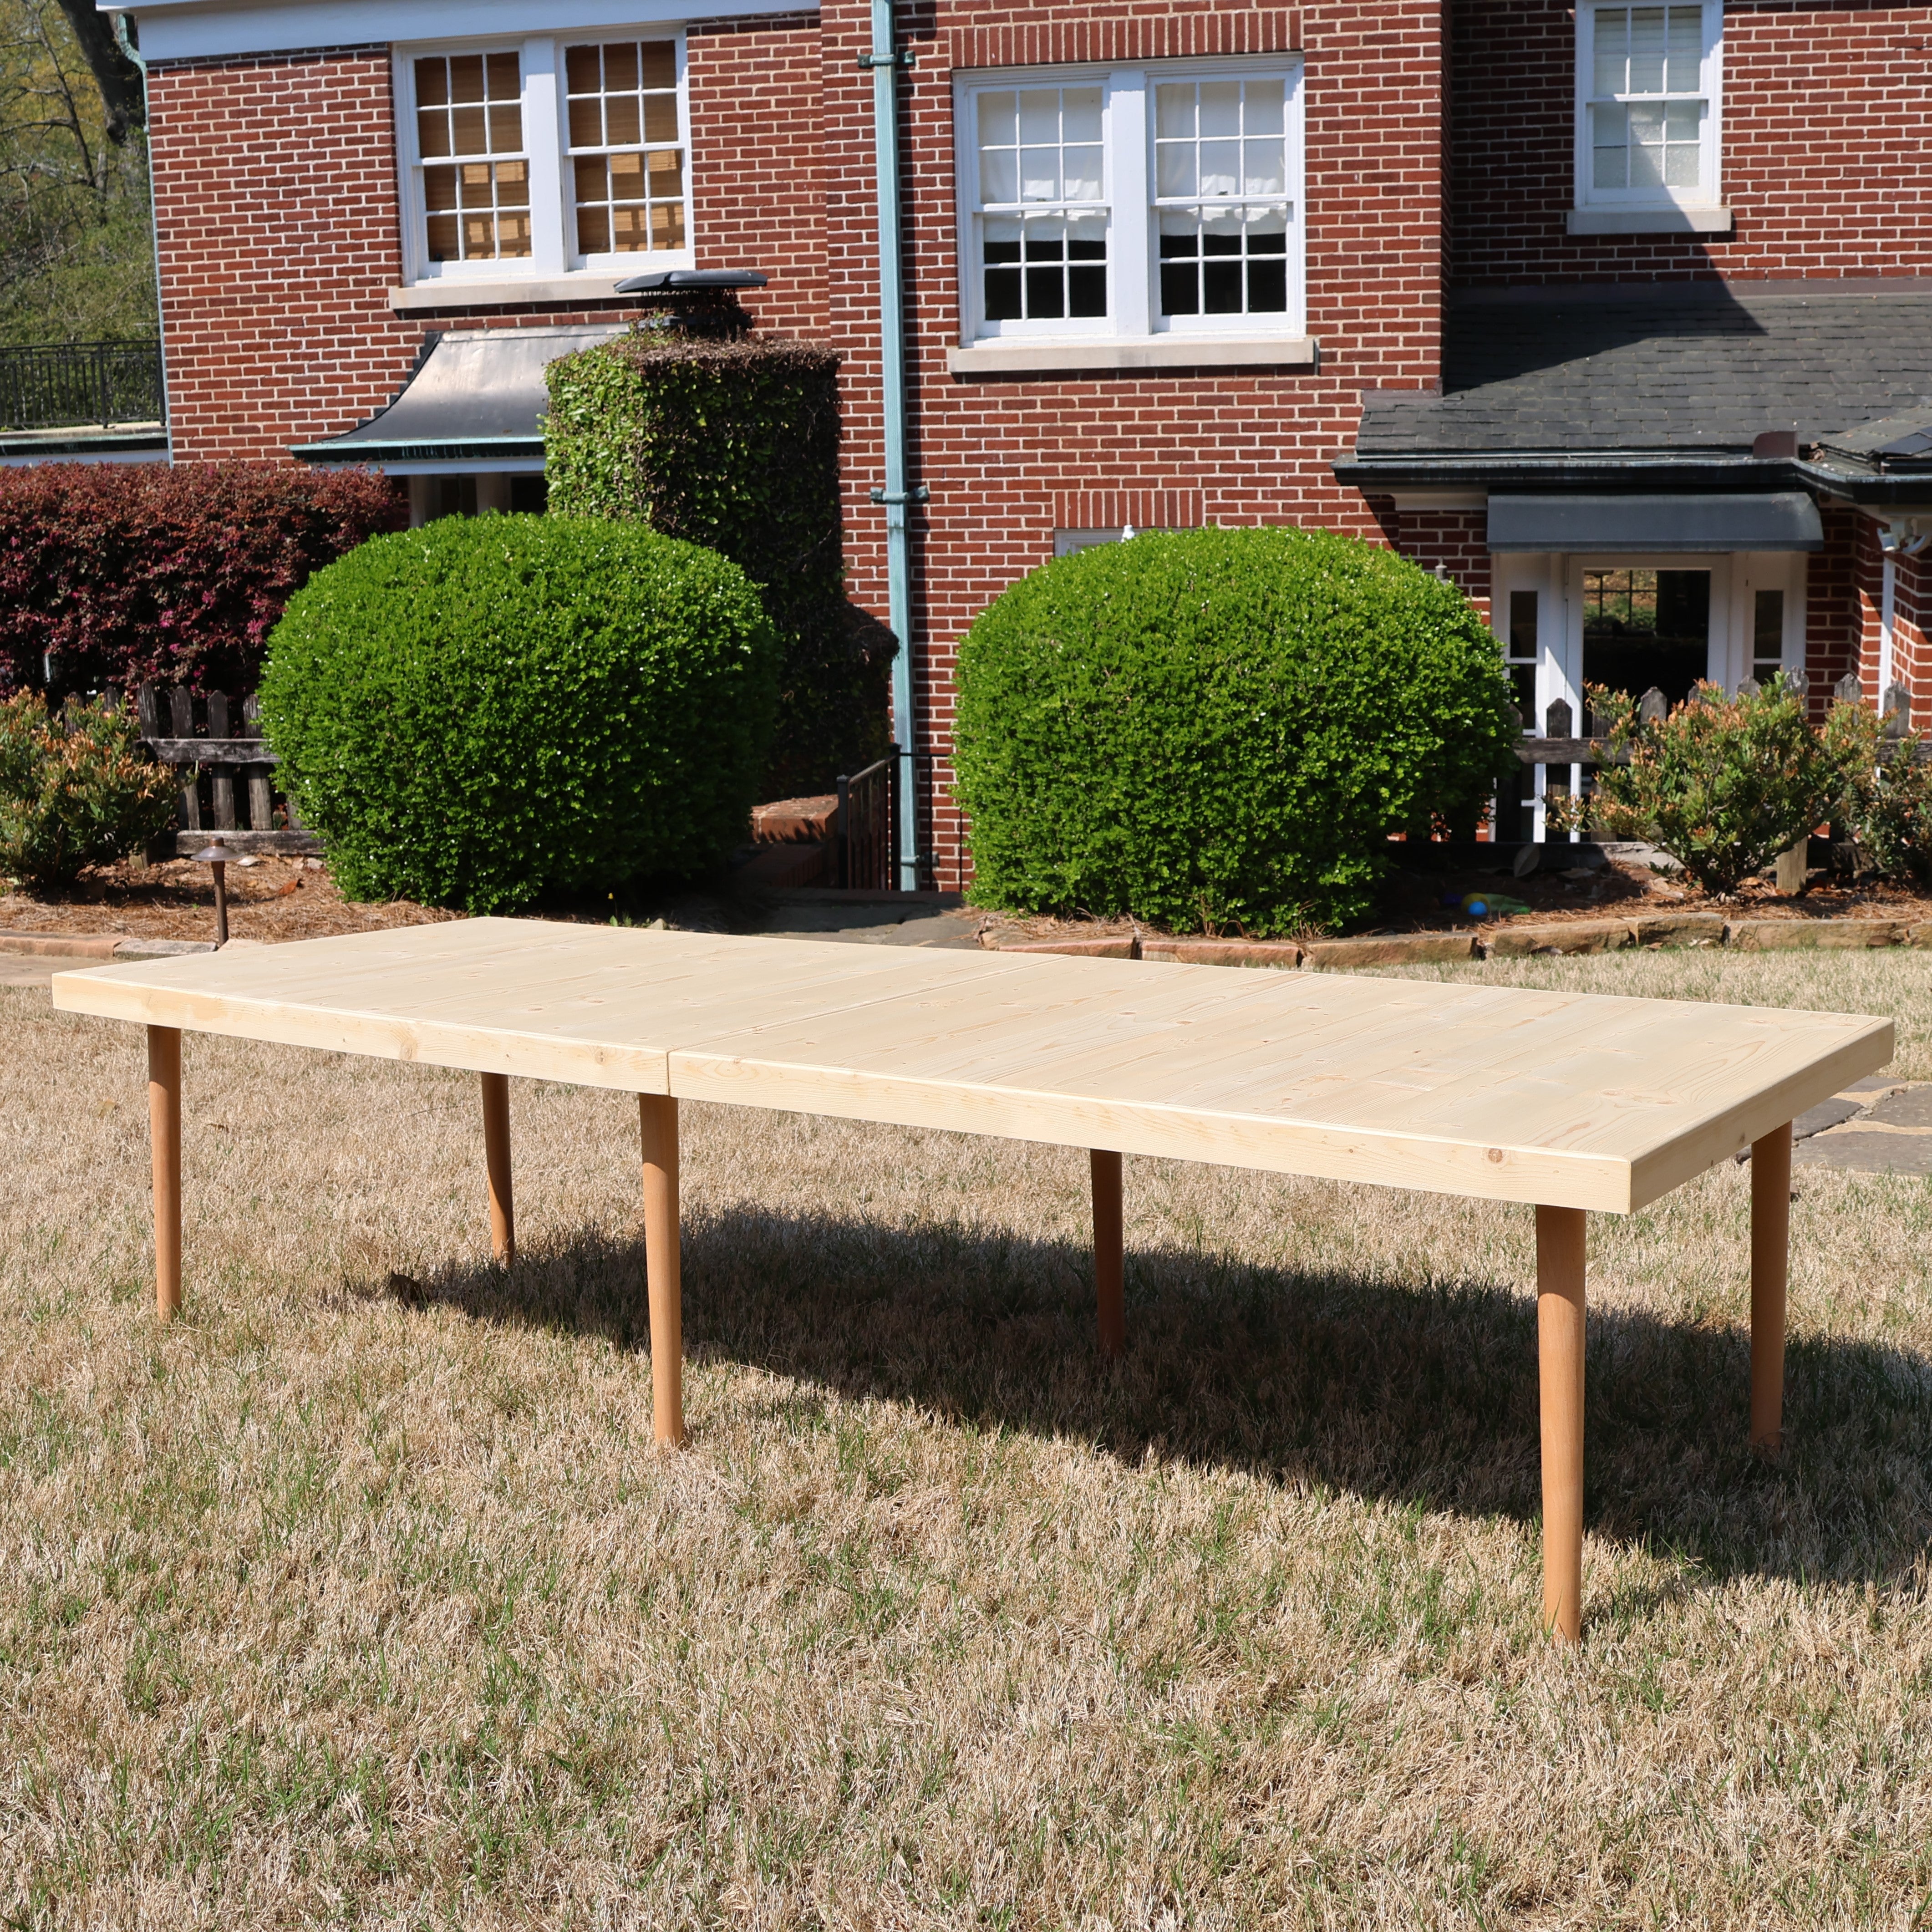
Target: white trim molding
1650, 221
1044, 355
192, 30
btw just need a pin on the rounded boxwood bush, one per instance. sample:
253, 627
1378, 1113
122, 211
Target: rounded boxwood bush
1221, 727
491, 709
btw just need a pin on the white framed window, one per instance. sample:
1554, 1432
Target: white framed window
543, 156
1131, 201
1647, 105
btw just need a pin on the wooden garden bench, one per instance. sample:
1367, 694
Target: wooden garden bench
1568, 1101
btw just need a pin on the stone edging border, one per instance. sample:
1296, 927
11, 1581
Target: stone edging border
96, 946
1518, 942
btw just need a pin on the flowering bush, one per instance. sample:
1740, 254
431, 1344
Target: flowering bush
1885, 806
74, 791
1723, 784
130, 571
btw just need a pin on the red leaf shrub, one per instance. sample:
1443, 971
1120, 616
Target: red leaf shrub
130, 571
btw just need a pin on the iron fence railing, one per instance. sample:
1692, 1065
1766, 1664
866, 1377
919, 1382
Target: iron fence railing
69, 386
865, 836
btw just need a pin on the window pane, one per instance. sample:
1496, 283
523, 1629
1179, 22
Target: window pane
1261, 167
1175, 174
1646, 50
1174, 110
1039, 115
1220, 107
1264, 108
998, 124
1224, 261
1220, 167
1609, 134
1040, 174
1767, 633
999, 176
1044, 268
1080, 114
624, 98
1686, 50
1081, 170
1612, 39
470, 105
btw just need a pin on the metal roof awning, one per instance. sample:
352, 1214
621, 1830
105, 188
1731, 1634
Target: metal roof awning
477, 398
1786, 520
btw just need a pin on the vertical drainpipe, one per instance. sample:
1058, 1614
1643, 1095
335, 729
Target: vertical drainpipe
125, 44
885, 60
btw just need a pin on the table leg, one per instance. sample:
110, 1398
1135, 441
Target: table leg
1771, 1233
496, 1165
1109, 1251
657, 1120
1559, 1342
164, 1131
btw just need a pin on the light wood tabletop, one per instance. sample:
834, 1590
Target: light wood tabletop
1569, 1102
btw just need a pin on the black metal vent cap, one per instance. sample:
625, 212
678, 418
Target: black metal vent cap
671, 281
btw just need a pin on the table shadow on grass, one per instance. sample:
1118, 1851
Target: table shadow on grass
1406, 1394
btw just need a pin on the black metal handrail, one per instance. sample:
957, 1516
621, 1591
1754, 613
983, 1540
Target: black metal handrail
864, 835
66, 385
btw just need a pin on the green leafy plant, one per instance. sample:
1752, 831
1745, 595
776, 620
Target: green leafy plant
74, 790
1221, 727
1722, 783
491, 709
734, 445
1885, 804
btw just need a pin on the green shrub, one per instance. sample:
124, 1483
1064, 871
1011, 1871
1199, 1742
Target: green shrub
488, 710
74, 792
1885, 801
1723, 784
734, 445
1221, 727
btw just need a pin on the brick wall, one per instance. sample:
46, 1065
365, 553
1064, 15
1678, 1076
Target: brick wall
277, 216
1825, 162
1010, 460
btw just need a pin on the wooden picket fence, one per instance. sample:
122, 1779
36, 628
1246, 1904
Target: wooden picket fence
1559, 745
226, 774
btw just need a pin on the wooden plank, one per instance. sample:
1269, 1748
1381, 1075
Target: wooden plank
1562, 1100
261, 794
221, 783
208, 751
265, 845
180, 716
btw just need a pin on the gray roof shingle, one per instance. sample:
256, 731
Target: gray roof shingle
1701, 368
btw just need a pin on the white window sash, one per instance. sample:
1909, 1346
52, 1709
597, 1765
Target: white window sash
553, 196
1132, 254
1709, 191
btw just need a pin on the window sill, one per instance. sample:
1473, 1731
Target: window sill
1047, 354
1650, 221
460, 292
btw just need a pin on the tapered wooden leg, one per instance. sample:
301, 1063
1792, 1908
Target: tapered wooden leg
1559, 1343
657, 1119
164, 1130
1109, 1256
1770, 1235
496, 1165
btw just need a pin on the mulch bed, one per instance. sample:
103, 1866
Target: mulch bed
272, 900
1415, 902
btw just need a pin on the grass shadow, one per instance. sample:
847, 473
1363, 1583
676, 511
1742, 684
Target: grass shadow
1414, 1396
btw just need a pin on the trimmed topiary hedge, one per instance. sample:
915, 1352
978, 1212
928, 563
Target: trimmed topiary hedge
1221, 727
490, 710
126, 572
734, 445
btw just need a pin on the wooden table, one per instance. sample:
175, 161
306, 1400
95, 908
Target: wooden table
1566, 1101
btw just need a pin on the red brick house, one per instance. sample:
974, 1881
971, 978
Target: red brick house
1620, 314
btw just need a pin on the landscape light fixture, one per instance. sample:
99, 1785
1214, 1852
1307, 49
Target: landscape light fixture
216, 857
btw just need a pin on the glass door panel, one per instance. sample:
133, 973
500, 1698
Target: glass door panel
1646, 628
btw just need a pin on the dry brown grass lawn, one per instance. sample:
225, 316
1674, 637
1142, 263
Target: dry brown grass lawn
345, 1601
